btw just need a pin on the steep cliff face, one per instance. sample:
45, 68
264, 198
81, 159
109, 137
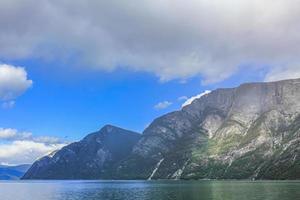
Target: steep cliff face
92, 158
251, 131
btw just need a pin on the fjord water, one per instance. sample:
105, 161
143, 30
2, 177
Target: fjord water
149, 190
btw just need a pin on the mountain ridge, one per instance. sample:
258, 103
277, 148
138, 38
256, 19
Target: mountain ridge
230, 133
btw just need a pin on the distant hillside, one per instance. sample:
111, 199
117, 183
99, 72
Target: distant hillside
13, 172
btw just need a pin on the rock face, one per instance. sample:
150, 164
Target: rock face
248, 132
93, 157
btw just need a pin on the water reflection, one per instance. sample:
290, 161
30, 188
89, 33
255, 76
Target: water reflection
149, 190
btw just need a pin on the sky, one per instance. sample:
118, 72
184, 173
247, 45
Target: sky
69, 67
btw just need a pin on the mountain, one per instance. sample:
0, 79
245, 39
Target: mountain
91, 158
12, 172
248, 132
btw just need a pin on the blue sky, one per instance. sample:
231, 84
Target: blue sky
69, 67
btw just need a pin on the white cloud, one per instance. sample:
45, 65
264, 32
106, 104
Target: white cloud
182, 98
13, 83
17, 147
171, 38
47, 140
14, 134
282, 73
162, 105
191, 99
7, 133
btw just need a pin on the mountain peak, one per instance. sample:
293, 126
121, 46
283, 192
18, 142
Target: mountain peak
108, 128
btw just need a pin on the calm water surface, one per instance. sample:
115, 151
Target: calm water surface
149, 190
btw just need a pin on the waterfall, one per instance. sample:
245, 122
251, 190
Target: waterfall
156, 168
179, 172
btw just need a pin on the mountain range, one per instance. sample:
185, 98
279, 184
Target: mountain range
13, 172
248, 132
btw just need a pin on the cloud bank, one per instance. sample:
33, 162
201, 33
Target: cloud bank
18, 147
170, 38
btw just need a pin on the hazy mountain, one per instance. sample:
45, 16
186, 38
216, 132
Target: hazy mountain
13, 172
248, 132
91, 158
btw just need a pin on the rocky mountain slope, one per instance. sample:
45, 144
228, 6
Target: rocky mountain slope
248, 132
12, 172
91, 158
